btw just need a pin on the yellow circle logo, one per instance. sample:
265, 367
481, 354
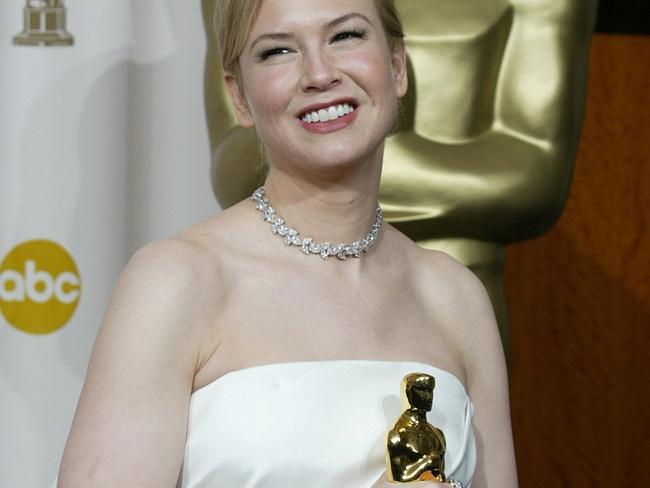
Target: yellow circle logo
39, 287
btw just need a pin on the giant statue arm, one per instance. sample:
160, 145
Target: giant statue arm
542, 93
495, 167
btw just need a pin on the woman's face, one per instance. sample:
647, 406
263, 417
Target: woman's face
320, 83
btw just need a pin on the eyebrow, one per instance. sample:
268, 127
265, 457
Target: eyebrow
281, 36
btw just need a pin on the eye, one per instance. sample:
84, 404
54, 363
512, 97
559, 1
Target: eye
349, 34
276, 51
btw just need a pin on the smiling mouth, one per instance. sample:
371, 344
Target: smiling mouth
327, 114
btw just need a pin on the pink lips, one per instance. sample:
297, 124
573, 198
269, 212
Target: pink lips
330, 125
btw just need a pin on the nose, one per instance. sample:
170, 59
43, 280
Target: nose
319, 73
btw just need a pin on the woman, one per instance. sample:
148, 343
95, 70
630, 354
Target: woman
229, 358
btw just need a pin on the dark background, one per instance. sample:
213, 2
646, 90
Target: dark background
624, 16
579, 296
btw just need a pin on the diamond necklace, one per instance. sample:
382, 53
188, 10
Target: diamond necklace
308, 246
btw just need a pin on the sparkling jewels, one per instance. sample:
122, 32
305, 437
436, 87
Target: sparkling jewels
307, 245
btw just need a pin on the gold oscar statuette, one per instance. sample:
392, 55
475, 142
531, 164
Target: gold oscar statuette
44, 24
415, 449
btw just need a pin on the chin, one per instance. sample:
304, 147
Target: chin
342, 158
332, 152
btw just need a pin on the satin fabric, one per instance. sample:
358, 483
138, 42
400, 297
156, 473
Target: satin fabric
314, 424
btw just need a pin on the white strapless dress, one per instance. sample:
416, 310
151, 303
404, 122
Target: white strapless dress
314, 424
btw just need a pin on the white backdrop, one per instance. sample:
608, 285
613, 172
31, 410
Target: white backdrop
103, 147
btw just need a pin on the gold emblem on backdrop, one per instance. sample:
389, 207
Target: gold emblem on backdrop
40, 287
44, 24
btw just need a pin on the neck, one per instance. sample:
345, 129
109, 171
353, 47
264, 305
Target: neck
420, 415
327, 208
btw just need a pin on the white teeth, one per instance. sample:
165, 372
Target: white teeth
327, 114
323, 115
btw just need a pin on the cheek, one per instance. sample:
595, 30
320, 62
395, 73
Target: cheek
372, 67
271, 93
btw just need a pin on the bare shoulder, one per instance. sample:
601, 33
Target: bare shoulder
178, 274
182, 257
444, 282
451, 286
191, 263
459, 304
132, 412
171, 262
185, 275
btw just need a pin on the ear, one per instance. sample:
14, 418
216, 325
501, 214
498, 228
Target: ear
400, 69
239, 102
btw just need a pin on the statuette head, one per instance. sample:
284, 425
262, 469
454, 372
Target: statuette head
418, 389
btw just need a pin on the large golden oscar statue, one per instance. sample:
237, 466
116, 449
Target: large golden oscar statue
484, 153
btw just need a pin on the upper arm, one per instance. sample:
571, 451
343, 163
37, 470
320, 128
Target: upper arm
487, 382
130, 425
473, 333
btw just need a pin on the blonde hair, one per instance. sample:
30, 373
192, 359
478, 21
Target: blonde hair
234, 19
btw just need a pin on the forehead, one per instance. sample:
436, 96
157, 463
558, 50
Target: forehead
290, 15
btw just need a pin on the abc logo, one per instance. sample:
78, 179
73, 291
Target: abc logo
39, 287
